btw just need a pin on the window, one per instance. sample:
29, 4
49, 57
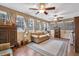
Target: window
20, 22
38, 22
31, 24
3, 16
37, 25
48, 27
44, 26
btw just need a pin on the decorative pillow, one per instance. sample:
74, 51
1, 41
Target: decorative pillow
42, 36
4, 46
35, 36
38, 33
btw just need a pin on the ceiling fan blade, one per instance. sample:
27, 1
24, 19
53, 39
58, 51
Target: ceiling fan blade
33, 8
45, 12
37, 13
59, 20
50, 8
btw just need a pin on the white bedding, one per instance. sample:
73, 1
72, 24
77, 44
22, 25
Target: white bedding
50, 47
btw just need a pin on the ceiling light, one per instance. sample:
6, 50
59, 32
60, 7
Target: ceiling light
42, 6
41, 11
55, 19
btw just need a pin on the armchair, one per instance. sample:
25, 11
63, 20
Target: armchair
5, 49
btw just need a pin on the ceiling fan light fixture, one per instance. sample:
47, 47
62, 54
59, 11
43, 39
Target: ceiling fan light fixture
55, 19
42, 7
41, 11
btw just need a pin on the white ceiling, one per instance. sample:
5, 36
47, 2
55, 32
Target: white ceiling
66, 10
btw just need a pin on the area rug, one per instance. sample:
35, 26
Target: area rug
50, 47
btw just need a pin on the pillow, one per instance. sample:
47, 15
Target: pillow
42, 36
38, 33
35, 36
47, 34
4, 46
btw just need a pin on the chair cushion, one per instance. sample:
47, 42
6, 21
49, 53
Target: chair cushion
6, 52
4, 46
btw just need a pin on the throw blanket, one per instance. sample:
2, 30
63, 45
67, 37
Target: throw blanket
50, 47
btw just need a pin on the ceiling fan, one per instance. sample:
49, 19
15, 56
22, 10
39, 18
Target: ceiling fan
42, 8
58, 19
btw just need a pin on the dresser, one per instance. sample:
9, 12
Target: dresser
8, 33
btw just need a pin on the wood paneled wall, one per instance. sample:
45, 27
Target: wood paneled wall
76, 34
